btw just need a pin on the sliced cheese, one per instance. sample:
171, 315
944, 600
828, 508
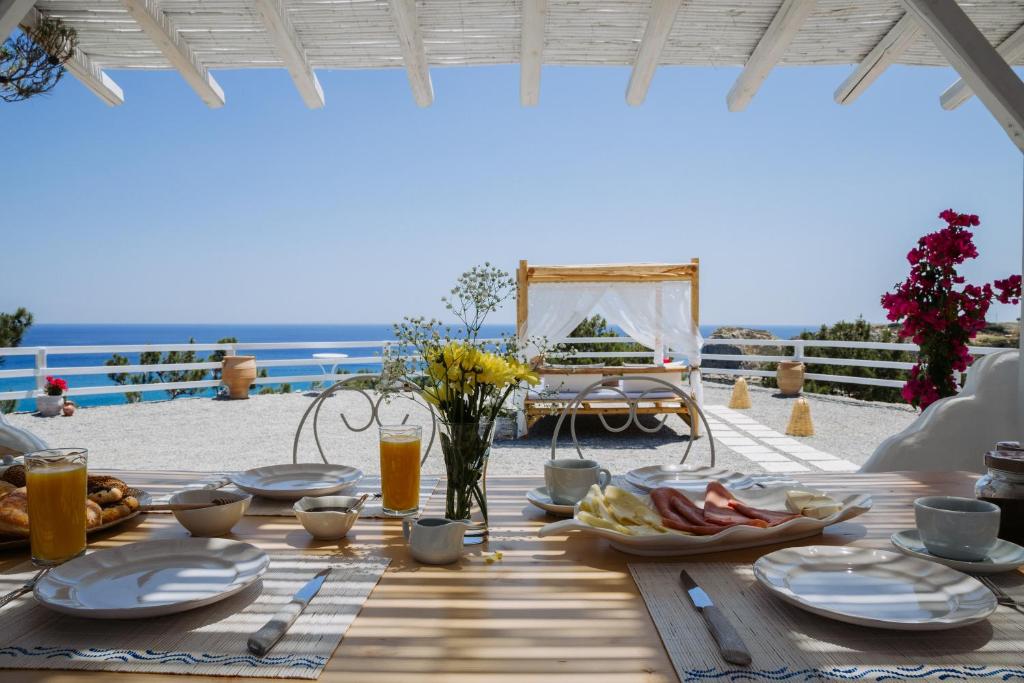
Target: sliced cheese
811, 504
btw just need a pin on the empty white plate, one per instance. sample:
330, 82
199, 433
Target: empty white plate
291, 482
875, 588
151, 578
539, 497
686, 477
1005, 556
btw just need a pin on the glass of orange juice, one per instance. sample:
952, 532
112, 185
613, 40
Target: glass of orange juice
400, 469
56, 480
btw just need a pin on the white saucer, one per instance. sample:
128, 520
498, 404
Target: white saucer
539, 497
1005, 557
876, 588
686, 477
151, 578
291, 482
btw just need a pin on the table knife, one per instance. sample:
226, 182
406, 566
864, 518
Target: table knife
729, 642
261, 642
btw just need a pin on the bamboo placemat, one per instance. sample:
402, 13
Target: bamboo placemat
789, 644
267, 507
206, 641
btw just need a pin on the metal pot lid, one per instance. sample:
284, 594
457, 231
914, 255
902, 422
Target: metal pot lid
1005, 460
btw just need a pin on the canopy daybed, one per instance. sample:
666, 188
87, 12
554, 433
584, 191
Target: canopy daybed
656, 305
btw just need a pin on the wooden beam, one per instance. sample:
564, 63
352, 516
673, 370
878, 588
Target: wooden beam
11, 14
619, 272
531, 51
1010, 49
157, 26
659, 25
900, 37
522, 299
279, 27
977, 62
84, 69
403, 13
769, 51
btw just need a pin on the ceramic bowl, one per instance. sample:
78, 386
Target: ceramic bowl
212, 521
326, 526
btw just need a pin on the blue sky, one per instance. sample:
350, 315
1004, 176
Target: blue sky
801, 211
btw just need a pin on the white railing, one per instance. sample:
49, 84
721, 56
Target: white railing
41, 368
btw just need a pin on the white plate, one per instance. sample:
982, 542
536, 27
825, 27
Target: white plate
143, 498
539, 497
151, 578
877, 588
1004, 557
686, 477
291, 482
674, 544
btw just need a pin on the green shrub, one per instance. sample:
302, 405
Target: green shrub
13, 327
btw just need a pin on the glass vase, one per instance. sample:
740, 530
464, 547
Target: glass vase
466, 448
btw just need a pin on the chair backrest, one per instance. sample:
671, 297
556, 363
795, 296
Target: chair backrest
659, 388
15, 441
955, 432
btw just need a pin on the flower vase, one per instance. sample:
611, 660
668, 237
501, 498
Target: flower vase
49, 406
466, 448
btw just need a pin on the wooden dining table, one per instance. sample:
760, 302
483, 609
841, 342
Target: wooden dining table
561, 608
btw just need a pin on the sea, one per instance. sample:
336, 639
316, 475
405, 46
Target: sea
53, 334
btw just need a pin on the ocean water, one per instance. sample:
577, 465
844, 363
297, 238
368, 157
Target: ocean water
95, 335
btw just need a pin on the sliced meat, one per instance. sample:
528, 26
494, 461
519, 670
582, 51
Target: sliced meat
697, 529
727, 516
770, 517
683, 506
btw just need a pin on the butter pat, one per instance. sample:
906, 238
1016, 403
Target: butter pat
811, 504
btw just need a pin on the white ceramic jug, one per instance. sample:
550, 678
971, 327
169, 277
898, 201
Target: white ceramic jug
434, 540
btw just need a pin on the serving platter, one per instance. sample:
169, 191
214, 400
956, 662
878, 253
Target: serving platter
151, 578
143, 497
686, 477
675, 544
871, 587
294, 481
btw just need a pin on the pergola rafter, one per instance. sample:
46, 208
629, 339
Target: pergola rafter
1011, 49
882, 56
659, 25
279, 27
410, 39
535, 14
152, 20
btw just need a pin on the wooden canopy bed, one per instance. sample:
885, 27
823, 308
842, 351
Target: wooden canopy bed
678, 309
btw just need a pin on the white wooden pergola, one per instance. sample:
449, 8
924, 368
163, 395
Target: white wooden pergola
980, 39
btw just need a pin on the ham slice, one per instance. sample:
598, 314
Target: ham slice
727, 516
720, 496
679, 512
721, 511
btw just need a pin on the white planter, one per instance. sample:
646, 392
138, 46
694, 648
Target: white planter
49, 406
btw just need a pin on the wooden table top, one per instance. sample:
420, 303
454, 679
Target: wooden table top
561, 608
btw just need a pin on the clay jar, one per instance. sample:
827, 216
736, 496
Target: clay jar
238, 374
790, 376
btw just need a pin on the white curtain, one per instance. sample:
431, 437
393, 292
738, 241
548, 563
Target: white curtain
555, 309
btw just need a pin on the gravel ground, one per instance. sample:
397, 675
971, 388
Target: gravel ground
207, 434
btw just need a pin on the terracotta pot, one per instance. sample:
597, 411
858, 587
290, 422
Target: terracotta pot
238, 374
69, 409
790, 377
49, 406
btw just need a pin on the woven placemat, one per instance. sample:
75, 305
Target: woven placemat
205, 641
789, 644
268, 507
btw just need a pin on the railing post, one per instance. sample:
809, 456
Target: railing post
40, 368
798, 350
230, 351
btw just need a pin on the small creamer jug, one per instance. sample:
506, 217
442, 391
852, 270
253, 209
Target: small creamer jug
434, 540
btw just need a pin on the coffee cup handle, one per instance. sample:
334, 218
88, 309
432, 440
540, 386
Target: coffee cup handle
406, 527
606, 476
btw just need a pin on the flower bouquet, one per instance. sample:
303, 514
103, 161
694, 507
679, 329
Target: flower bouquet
50, 403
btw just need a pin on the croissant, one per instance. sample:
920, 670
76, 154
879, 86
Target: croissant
14, 514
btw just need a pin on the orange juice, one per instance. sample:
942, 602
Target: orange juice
56, 508
400, 469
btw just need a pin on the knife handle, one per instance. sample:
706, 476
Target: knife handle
732, 647
266, 638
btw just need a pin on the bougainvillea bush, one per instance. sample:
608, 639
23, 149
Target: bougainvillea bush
939, 311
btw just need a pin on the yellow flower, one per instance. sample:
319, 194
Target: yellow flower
494, 370
524, 373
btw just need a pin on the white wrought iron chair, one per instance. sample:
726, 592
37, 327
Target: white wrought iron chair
408, 392
955, 432
572, 408
15, 441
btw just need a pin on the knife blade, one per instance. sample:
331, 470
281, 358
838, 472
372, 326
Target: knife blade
261, 642
730, 645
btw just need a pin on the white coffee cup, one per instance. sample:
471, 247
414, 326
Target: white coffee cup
957, 528
569, 479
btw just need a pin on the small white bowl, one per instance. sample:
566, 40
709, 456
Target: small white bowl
326, 526
213, 521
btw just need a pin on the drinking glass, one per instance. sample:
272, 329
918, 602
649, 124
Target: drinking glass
400, 469
56, 481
